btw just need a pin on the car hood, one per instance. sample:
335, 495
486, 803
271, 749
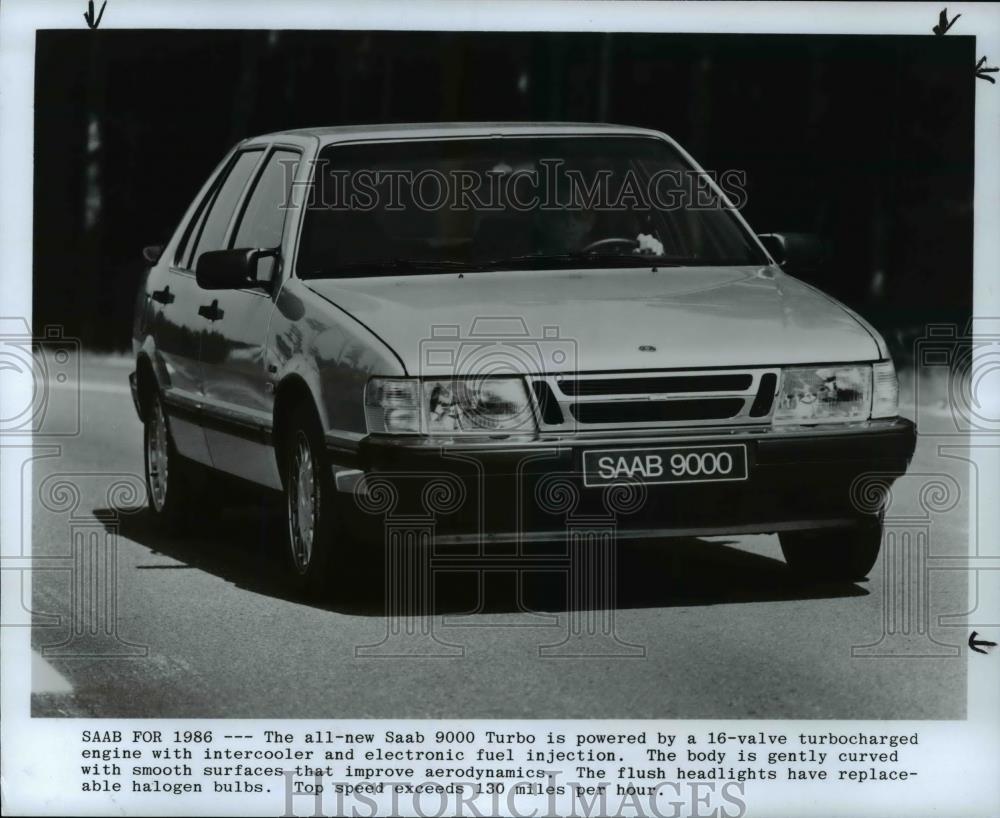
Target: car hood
606, 319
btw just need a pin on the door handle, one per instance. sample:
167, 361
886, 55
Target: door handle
163, 296
211, 311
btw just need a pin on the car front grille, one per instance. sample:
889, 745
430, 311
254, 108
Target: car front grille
656, 384
655, 399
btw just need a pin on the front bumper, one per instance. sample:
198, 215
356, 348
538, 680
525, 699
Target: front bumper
511, 491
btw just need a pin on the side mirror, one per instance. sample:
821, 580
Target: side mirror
795, 252
231, 269
152, 253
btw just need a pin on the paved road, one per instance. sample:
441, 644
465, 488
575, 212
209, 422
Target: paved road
206, 630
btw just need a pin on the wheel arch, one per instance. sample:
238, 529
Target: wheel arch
146, 383
291, 392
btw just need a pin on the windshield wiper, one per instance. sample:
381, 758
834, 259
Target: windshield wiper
589, 259
392, 265
407, 266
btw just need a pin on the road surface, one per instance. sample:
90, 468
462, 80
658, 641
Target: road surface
199, 625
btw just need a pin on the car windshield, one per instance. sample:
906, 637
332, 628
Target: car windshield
406, 208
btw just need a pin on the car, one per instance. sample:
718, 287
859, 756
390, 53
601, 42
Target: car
508, 330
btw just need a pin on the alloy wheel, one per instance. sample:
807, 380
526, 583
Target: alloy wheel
303, 503
157, 456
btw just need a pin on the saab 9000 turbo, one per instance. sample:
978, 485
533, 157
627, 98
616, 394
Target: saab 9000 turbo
502, 326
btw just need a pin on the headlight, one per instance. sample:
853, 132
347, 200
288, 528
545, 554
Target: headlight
885, 395
449, 406
393, 405
824, 394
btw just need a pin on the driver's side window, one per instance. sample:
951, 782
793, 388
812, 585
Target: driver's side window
262, 221
210, 233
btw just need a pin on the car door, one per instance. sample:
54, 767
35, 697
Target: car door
238, 400
176, 298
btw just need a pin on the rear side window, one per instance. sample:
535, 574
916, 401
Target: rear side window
263, 219
211, 233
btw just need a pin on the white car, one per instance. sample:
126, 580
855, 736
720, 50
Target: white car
508, 364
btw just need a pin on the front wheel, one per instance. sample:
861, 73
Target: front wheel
837, 555
314, 531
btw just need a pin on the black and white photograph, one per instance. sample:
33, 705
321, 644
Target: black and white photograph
590, 403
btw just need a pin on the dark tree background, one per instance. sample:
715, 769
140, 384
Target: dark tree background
867, 141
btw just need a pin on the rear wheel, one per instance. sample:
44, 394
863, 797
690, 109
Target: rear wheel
838, 555
314, 530
174, 485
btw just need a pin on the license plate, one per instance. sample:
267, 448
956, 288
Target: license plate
666, 464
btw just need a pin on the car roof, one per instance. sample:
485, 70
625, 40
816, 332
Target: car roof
424, 130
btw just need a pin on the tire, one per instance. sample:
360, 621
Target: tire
175, 486
314, 531
839, 555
